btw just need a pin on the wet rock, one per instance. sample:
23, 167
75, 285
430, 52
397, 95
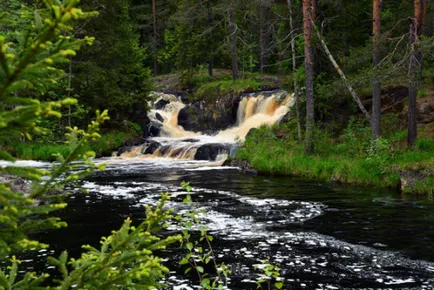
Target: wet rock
409, 179
160, 104
159, 117
190, 140
153, 129
186, 120
150, 147
210, 151
123, 150
285, 119
244, 165
17, 184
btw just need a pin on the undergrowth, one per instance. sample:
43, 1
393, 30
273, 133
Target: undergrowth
350, 158
108, 142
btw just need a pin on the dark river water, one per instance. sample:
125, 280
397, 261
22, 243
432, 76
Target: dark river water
324, 237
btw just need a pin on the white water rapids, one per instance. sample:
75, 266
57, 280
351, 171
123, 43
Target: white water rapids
177, 143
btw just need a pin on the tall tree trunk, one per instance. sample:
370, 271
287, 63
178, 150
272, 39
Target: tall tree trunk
262, 28
210, 54
154, 12
414, 69
310, 117
294, 70
233, 28
425, 24
376, 84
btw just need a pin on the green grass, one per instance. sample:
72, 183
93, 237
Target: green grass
346, 160
108, 142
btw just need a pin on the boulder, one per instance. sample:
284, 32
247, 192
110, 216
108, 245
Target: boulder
285, 119
244, 165
123, 149
150, 146
153, 129
159, 117
185, 118
160, 104
210, 151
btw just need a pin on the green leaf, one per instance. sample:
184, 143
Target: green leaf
200, 269
278, 285
189, 246
183, 261
205, 283
187, 270
38, 20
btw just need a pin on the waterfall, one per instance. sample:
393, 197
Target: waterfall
175, 142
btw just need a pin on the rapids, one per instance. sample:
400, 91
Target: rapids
323, 237
176, 143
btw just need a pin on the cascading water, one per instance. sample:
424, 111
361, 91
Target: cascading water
175, 142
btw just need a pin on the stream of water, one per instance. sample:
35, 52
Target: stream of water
324, 237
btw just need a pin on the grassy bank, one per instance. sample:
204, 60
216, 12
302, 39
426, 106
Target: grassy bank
108, 142
349, 158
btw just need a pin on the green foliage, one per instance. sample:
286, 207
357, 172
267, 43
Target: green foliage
105, 145
212, 90
111, 73
125, 259
352, 159
200, 252
269, 274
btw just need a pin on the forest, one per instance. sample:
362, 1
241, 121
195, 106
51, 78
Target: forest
338, 92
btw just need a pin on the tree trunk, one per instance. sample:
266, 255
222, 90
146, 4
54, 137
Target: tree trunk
233, 28
341, 73
310, 117
262, 36
154, 12
425, 24
210, 54
414, 69
294, 70
376, 84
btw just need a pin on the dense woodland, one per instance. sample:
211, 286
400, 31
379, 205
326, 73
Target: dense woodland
371, 41
63, 60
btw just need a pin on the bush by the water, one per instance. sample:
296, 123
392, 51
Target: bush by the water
351, 158
108, 143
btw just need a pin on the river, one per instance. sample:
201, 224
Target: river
323, 236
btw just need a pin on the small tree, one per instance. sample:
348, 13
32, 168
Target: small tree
125, 260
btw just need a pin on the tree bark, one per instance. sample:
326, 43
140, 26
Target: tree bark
294, 70
414, 69
233, 28
210, 54
376, 84
262, 8
310, 116
154, 13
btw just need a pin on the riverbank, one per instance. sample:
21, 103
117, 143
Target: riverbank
347, 159
110, 141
